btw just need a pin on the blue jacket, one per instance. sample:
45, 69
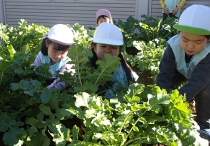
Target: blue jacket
119, 78
199, 77
55, 68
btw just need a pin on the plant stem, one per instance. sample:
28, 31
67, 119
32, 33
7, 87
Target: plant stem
78, 68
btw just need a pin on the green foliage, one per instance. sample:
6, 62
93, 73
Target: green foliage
82, 37
149, 29
145, 48
145, 115
127, 29
148, 56
31, 114
25, 35
88, 79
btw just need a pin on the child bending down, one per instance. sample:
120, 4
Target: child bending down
187, 58
54, 49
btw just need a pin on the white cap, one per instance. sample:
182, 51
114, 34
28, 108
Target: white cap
61, 34
109, 34
195, 20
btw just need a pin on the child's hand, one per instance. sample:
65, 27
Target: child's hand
166, 10
54, 83
175, 11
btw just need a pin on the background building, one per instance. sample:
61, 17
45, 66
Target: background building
50, 12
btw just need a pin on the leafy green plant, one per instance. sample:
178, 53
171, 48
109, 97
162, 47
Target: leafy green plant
147, 59
166, 31
145, 115
127, 29
31, 114
82, 37
18, 37
87, 78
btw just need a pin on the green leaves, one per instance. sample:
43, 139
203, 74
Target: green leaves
38, 139
45, 109
82, 100
31, 114
106, 68
46, 95
62, 135
11, 51
13, 135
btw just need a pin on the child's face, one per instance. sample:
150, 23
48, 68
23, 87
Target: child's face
101, 49
192, 43
103, 19
56, 55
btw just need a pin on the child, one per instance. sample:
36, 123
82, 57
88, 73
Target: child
103, 15
187, 58
171, 8
109, 39
54, 49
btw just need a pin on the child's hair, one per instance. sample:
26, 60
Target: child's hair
60, 36
110, 34
103, 13
104, 17
57, 46
208, 37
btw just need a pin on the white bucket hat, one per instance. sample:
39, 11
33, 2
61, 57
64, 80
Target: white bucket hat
108, 34
195, 20
61, 34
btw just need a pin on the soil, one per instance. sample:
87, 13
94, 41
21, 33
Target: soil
131, 51
146, 78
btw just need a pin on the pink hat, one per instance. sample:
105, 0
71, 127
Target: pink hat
103, 12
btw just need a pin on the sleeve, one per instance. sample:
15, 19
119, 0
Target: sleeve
37, 61
62, 85
162, 3
167, 69
180, 4
199, 79
57, 85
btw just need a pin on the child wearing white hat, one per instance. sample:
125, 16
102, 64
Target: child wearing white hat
54, 49
103, 15
108, 39
187, 58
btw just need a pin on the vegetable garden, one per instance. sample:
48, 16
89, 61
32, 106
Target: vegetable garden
32, 115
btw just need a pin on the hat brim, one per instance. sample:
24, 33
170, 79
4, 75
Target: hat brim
59, 42
108, 42
191, 30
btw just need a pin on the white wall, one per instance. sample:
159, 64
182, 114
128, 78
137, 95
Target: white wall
2, 16
142, 8
50, 12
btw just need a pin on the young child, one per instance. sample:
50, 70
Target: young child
171, 8
187, 58
108, 39
103, 15
54, 49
